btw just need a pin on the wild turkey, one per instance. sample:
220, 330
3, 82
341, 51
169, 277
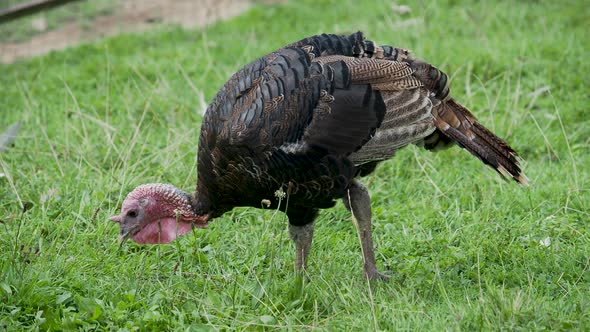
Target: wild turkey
306, 121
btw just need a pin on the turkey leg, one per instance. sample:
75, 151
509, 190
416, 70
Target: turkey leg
358, 202
301, 236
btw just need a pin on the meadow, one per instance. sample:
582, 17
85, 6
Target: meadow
465, 250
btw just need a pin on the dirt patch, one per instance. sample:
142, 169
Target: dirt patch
130, 15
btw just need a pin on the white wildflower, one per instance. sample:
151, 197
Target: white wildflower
280, 194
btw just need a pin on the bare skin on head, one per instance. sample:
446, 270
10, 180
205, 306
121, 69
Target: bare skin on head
156, 213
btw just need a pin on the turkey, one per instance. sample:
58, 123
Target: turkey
303, 123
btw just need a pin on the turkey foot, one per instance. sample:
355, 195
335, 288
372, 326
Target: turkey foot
358, 202
376, 275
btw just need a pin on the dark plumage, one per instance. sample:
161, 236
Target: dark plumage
306, 120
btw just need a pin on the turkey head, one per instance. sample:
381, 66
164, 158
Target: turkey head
156, 213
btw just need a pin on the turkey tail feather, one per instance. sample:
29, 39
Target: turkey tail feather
456, 122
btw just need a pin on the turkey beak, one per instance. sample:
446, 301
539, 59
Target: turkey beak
123, 236
116, 219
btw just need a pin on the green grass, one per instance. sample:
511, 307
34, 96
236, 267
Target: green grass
462, 246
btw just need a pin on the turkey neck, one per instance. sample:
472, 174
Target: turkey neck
201, 204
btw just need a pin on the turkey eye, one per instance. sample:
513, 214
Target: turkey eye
132, 214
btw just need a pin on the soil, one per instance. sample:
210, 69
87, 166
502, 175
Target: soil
132, 15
